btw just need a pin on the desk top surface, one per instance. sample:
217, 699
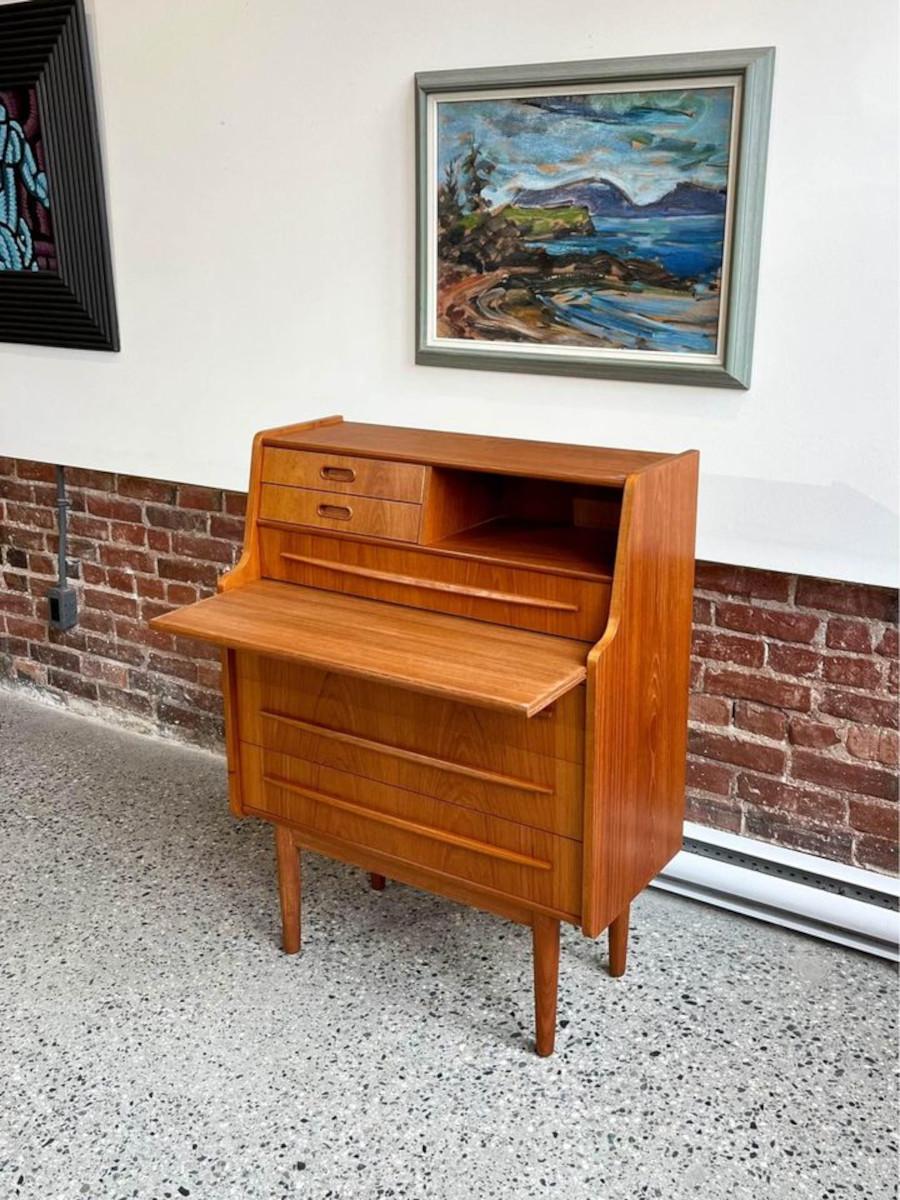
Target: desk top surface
473, 452
491, 666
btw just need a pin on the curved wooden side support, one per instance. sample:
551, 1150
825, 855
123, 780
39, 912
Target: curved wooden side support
637, 698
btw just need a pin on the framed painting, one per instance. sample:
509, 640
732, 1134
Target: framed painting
56, 285
593, 218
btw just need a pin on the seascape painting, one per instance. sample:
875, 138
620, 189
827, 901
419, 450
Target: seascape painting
26, 230
592, 222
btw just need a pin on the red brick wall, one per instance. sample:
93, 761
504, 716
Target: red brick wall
794, 707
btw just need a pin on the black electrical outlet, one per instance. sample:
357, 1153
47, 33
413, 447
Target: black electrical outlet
63, 607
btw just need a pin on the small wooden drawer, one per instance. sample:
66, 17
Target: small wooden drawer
547, 793
546, 603
503, 856
350, 514
340, 473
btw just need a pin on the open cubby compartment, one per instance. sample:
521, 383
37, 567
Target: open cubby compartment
548, 525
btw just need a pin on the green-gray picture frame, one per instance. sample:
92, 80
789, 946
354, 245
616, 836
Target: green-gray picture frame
733, 369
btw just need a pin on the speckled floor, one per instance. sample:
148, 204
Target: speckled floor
154, 1041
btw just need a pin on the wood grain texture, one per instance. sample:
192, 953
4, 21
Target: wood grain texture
513, 860
638, 695
502, 456
467, 587
545, 939
480, 737
340, 473
288, 863
347, 514
510, 669
556, 808
246, 569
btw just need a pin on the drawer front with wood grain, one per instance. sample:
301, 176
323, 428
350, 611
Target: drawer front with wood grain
547, 603
388, 519
503, 742
342, 473
513, 859
547, 795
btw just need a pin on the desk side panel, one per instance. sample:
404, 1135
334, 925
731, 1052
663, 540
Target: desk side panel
637, 703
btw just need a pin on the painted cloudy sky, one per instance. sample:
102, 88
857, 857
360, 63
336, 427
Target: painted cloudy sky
646, 142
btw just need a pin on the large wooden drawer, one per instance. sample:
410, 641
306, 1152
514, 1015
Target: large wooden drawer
503, 856
389, 519
538, 600
496, 741
550, 797
343, 473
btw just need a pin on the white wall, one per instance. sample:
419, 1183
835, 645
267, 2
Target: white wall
259, 161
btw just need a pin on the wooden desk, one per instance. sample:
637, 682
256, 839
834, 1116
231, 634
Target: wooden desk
462, 663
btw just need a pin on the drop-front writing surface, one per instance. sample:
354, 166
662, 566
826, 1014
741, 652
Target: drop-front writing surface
461, 663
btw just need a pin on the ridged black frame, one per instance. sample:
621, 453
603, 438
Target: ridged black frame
43, 43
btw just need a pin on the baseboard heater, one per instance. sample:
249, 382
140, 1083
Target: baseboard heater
827, 900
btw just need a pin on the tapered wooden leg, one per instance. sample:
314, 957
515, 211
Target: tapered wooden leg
377, 882
618, 943
545, 935
288, 859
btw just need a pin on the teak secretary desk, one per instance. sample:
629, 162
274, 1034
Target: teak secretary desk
462, 662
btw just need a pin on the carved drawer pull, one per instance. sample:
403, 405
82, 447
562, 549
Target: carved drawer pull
341, 474
337, 512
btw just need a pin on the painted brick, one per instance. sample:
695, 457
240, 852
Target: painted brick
849, 635
710, 710
787, 626
874, 816
814, 734
811, 804
863, 741
878, 854
846, 776
853, 672
868, 710
760, 718
206, 498
742, 581
745, 685
848, 599
798, 661
722, 647
737, 751
708, 776
717, 813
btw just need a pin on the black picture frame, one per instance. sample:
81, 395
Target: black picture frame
43, 44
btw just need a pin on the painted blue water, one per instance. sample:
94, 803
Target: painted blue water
634, 321
689, 247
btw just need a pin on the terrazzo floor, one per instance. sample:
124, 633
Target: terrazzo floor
154, 1041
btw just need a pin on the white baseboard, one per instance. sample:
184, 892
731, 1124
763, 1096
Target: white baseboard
813, 895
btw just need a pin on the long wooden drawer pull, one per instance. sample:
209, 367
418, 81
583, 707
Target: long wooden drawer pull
338, 474
336, 512
429, 831
425, 760
432, 585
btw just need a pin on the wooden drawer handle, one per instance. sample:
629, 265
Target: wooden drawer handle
337, 512
340, 474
